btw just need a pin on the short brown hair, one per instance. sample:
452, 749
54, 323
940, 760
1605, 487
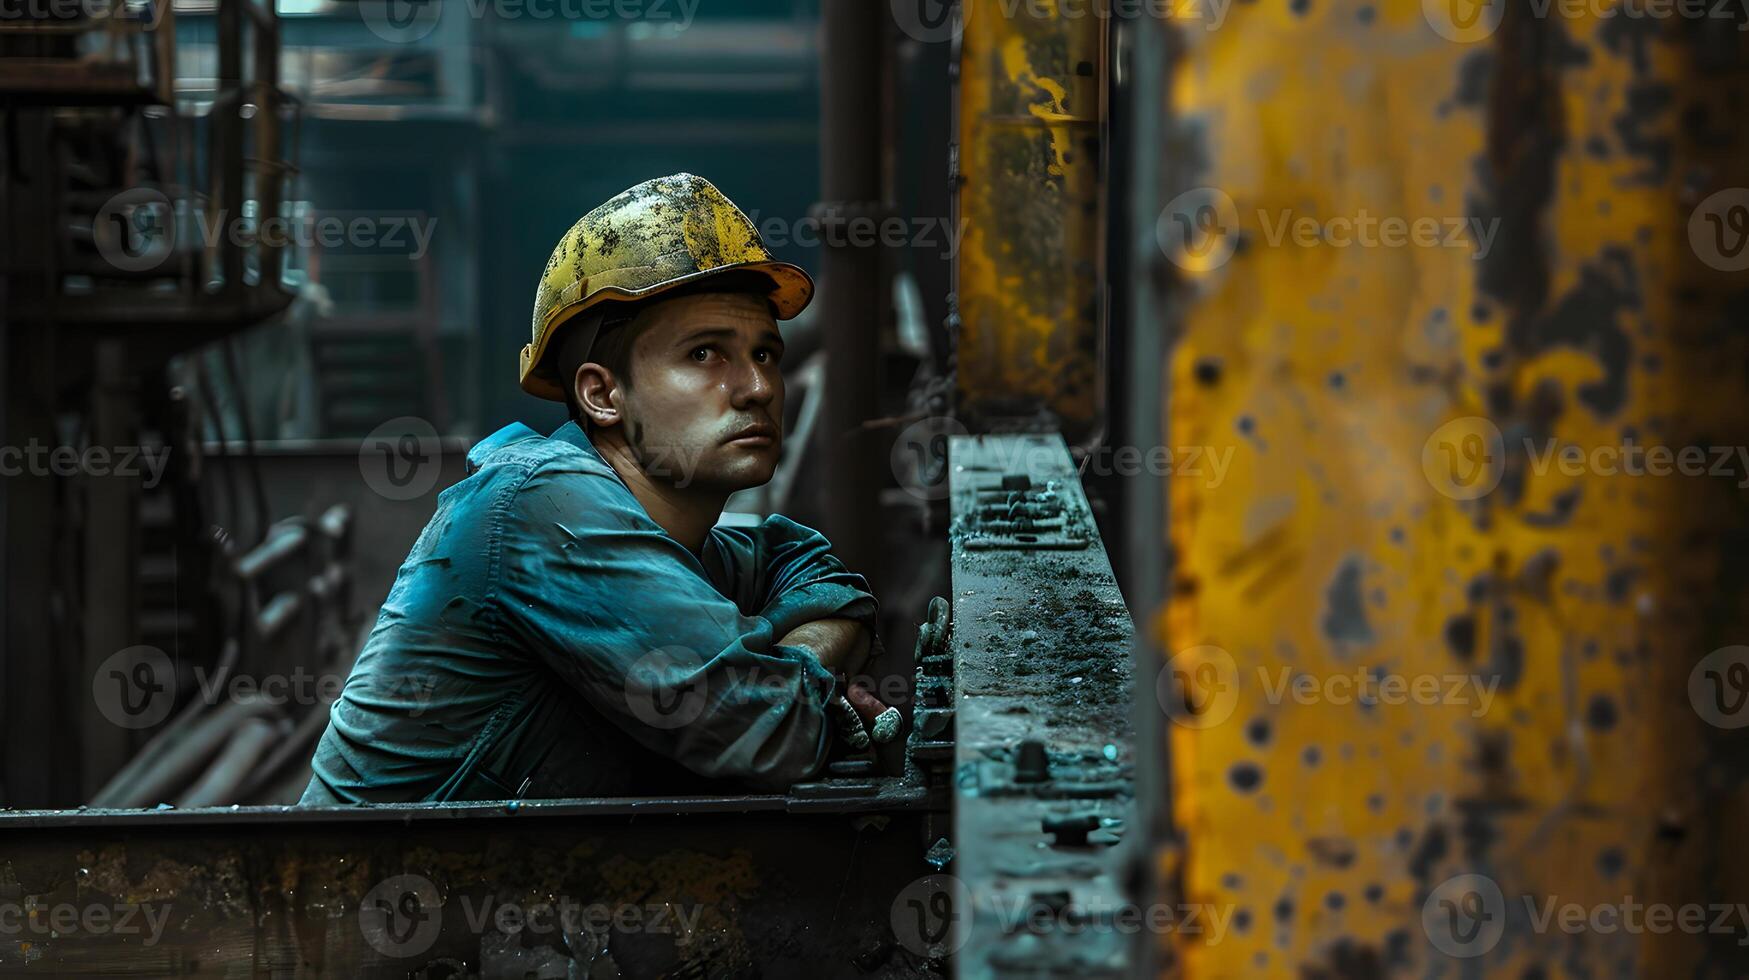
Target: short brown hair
612, 347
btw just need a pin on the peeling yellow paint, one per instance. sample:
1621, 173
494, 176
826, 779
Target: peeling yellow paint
1328, 370
1029, 171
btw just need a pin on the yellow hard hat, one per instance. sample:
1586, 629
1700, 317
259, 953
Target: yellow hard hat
646, 240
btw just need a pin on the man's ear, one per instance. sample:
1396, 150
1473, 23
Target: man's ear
598, 394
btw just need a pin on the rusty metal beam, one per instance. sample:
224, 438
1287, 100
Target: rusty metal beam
662, 893
1385, 512
1028, 270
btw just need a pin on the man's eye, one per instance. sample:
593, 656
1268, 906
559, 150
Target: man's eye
701, 353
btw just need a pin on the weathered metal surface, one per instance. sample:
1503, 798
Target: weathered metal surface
1042, 680
1575, 307
1027, 272
661, 894
800, 884
768, 885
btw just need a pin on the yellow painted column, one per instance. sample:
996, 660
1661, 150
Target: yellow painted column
1028, 166
1443, 270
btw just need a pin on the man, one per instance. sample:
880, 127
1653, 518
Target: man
571, 622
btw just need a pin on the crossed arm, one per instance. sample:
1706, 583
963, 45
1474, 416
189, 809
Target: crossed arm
621, 611
841, 645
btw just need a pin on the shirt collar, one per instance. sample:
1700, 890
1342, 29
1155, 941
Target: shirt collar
496, 441
573, 433
570, 432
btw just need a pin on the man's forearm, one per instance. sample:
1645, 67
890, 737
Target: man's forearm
841, 645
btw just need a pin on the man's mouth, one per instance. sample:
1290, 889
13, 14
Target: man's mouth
754, 436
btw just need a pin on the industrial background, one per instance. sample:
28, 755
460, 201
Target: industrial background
1300, 447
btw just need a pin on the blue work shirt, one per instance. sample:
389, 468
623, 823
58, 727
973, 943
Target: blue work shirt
546, 638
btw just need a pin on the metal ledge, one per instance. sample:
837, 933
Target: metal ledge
1042, 694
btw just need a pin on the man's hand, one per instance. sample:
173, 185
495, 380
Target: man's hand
842, 646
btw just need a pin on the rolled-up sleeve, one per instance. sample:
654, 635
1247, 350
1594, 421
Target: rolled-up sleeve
787, 571
628, 618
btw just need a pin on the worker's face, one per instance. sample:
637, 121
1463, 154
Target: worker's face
705, 408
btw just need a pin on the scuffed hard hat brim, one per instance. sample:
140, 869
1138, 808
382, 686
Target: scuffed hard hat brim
791, 291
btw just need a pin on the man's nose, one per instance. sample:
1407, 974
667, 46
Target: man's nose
755, 384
